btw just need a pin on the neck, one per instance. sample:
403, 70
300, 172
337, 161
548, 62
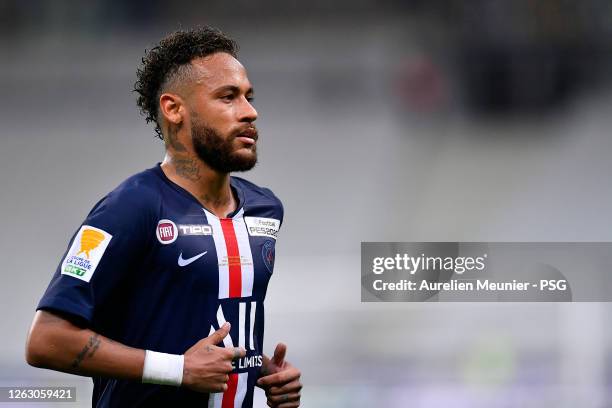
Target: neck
211, 188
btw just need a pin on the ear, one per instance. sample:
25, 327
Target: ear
171, 107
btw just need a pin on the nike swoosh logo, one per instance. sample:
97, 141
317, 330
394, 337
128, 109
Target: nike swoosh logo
185, 262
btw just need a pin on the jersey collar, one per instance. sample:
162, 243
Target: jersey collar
233, 184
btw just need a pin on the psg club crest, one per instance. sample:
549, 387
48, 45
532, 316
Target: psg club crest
267, 253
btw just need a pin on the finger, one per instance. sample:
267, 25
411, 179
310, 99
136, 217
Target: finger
233, 353
228, 367
219, 335
280, 399
293, 404
280, 378
238, 352
293, 386
218, 387
279, 354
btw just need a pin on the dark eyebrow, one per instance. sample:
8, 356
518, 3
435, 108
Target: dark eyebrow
232, 88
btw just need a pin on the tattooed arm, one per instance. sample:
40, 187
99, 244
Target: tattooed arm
57, 344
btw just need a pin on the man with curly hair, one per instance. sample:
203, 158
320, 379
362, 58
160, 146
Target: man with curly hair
160, 294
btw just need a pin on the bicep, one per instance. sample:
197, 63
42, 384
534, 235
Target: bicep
45, 336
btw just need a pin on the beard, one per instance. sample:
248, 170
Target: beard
218, 152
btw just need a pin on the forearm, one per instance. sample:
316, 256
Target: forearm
57, 344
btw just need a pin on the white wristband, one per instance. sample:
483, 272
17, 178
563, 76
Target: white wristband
162, 368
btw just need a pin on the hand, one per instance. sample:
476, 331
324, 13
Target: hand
281, 380
207, 366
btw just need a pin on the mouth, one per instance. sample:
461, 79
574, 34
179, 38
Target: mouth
248, 136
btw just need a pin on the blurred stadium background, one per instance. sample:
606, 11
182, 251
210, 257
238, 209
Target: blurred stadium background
380, 121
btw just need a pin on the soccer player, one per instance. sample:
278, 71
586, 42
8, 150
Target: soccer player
160, 295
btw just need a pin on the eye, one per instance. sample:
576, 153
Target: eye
250, 98
228, 97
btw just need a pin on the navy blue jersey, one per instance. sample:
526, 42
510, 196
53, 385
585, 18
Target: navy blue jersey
153, 269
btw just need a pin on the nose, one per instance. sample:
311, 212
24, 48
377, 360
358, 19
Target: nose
247, 112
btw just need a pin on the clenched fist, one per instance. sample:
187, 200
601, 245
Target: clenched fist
207, 367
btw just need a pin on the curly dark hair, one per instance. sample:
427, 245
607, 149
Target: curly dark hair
162, 63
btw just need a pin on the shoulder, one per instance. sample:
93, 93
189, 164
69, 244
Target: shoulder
141, 189
254, 193
136, 198
259, 198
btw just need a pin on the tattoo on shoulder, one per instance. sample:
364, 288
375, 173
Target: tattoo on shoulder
88, 351
187, 167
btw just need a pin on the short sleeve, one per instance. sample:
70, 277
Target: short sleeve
114, 235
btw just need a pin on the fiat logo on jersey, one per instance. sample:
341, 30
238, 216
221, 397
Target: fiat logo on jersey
166, 232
